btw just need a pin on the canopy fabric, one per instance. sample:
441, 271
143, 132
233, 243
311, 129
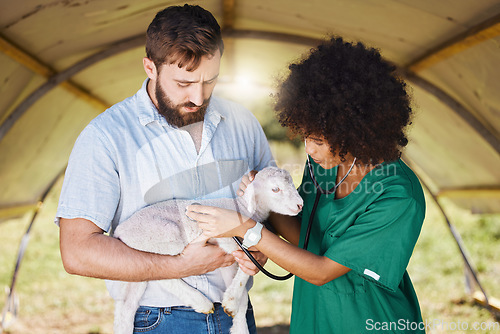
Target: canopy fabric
62, 62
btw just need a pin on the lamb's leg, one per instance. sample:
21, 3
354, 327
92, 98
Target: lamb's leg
240, 325
235, 299
231, 298
118, 321
126, 307
189, 295
228, 273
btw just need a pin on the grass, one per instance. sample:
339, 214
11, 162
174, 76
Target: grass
271, 300
51, 301
437, 269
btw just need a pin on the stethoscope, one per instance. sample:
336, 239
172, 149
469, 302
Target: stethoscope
320, 191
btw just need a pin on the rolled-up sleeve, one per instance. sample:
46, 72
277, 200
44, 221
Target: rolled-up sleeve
91, 187
378, 246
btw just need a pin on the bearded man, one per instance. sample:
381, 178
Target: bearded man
172, 139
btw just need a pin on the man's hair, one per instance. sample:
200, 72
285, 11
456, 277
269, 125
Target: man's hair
346, 93
183, 35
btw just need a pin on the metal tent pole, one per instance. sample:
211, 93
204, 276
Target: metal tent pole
470, 271
9, 312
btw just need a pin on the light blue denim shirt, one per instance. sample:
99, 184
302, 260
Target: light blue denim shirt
129, 157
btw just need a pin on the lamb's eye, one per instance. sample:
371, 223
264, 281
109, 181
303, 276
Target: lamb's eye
277, 189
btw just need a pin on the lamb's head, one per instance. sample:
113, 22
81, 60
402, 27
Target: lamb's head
273, 190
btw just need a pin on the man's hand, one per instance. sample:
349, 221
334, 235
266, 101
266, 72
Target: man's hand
200, 257
246, 264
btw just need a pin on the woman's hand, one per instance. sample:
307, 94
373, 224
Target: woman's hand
216, 222
246, 264
245, 181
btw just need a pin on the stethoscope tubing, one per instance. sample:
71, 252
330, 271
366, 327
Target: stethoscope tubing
320, 191
261, 268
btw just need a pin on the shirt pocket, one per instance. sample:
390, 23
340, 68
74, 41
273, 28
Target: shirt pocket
225, 179
232, 170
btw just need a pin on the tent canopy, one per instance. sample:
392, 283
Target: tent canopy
62, 62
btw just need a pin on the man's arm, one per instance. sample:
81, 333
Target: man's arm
87, 251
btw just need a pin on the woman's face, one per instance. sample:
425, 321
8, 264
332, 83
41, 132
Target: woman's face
319, 150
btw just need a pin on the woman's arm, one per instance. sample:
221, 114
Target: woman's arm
310, 267
315, 269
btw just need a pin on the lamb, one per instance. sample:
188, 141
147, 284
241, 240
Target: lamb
169, 231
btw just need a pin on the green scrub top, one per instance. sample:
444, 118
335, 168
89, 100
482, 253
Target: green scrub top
372, 231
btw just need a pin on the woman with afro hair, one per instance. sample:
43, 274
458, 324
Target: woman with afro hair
352, 111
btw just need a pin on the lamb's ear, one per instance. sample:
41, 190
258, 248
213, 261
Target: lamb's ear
250, 198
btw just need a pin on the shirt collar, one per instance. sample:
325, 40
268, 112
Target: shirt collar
147, 112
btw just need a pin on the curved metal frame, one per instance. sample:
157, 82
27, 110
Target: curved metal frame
60, 77
229, 32
458, 108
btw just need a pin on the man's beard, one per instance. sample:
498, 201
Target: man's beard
172, 113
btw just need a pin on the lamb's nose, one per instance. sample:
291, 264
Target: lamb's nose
299, 206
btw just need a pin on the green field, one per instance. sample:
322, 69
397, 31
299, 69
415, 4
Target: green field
51, 301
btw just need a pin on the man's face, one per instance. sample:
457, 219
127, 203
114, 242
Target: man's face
182, 97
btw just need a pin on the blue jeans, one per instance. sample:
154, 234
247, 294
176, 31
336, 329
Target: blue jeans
184, 320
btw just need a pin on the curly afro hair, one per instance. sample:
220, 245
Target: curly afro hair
349, 95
